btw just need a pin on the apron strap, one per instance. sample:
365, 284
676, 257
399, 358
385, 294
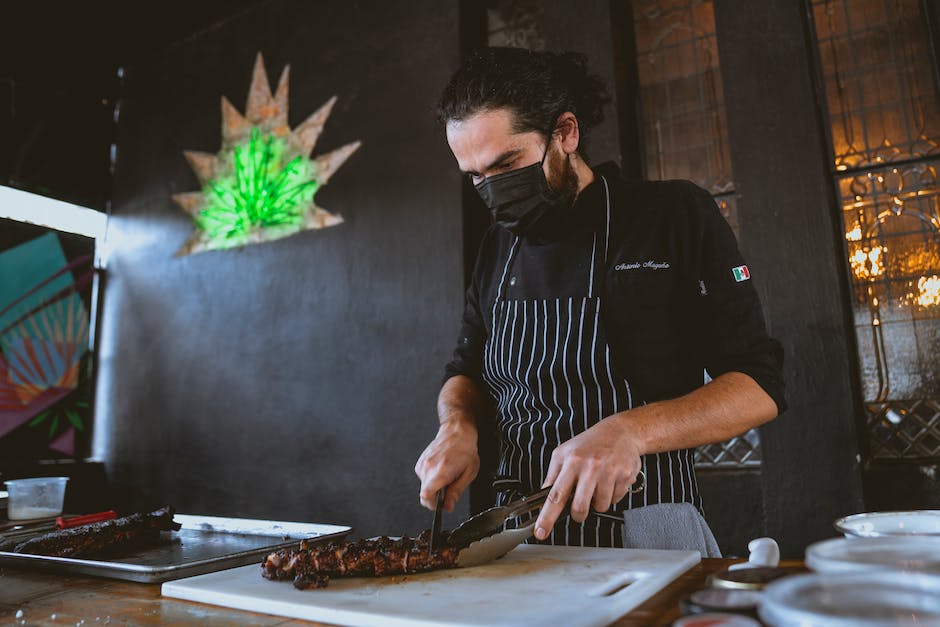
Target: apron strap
501, 289
599, 265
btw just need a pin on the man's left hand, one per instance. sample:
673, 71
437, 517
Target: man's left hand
597, 466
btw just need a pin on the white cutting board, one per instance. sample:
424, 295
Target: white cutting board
532, 585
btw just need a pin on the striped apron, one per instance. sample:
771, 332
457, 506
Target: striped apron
548, 366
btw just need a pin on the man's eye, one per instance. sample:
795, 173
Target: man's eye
476, 179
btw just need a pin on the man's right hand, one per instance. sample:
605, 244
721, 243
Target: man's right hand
451, 460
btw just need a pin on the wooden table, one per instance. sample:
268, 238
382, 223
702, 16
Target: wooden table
46, 599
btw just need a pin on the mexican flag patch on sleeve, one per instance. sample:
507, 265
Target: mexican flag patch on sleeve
741, 273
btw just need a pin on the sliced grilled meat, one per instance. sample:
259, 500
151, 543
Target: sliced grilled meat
313, 566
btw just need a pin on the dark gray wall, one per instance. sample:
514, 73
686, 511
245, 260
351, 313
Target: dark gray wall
791, 237
295, 379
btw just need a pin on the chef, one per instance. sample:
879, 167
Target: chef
598, 309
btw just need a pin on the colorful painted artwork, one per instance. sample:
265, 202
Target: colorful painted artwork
44, 337
261, 184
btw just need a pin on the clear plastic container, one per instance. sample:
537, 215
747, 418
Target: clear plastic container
41, 497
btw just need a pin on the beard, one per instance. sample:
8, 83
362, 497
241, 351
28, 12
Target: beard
562, 179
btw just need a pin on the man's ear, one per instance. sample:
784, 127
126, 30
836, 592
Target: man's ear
567, 131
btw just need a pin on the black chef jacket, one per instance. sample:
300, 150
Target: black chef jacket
677, 296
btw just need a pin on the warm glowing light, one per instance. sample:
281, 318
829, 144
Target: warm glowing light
867, 264
928, 291
855, 234
874, 256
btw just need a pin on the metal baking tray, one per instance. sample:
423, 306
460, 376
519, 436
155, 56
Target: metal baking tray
203, 544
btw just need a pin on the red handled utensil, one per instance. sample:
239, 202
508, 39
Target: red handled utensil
86, 519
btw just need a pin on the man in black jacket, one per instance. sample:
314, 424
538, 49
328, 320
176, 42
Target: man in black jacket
597, 307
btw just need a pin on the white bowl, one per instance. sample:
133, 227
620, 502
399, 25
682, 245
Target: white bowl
878, 599
41, 497
923, 522
917, 554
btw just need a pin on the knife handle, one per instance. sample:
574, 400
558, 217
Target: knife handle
87, 519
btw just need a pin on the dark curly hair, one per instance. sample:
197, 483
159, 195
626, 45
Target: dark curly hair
536, 86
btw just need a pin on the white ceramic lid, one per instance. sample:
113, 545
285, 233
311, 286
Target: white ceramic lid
924, 522
875, 599
918, 554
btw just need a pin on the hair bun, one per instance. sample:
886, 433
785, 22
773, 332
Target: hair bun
588, 91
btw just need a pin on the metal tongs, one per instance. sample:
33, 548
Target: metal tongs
483, 537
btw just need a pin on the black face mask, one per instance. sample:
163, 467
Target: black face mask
520, 198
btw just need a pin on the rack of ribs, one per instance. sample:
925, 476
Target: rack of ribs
101, 538
312, 566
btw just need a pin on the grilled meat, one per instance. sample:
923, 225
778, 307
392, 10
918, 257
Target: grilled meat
312, 566
101, 538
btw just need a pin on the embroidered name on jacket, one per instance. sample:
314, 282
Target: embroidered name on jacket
649, 265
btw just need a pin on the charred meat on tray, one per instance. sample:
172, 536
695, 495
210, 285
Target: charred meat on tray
312, 566
103, 538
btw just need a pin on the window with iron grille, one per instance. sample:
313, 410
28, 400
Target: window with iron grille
878, 72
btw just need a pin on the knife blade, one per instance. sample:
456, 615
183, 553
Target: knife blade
436, 521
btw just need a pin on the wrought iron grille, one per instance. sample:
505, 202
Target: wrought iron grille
905, 429
881, 93
742, 451
884, 114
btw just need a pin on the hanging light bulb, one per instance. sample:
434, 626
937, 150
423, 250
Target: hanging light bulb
928, 291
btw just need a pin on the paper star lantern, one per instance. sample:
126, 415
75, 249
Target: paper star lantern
261, 184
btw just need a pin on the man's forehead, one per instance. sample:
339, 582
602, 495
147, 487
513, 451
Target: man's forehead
479, 140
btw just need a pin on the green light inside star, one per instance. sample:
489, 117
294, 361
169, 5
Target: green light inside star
257, 187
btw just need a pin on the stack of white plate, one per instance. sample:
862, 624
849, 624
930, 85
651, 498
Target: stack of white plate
876, 599
925, 522
885, 571
843, 555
